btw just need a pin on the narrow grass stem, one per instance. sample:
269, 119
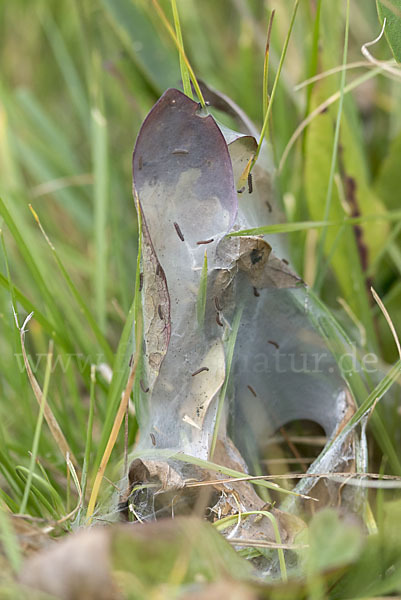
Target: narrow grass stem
186, 81
391, 215
266, 66
329, 195
114, 433
202, 293
227, 521
35, 445
223, 391
75, 293
88, 444
275, 84
180, 49
100, 200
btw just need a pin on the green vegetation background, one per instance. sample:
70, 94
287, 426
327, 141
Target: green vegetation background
76, 81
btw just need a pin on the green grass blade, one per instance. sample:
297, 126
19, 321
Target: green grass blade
51, 136
35, 444
391, 215
121, 366
220, 524
379, 391
275, 83
101, 194
320, 249
74, 85
265, 99
202, 293
31, 263
15, 341
39, 492
89, 432
120, 375
78, 298
357, 378
314, 56
379, 428
156, 62
186, 82
10, 542
391, 11
8, 472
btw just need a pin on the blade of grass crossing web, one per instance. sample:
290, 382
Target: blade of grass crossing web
52, 136
229, 357
379, 428
7, 469
202, 293
211, 466
8, 501
391, 215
